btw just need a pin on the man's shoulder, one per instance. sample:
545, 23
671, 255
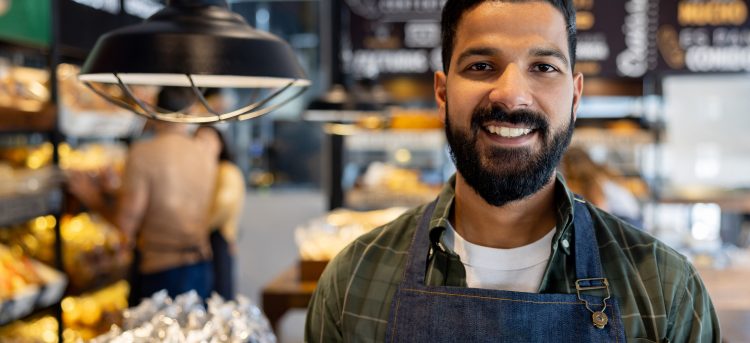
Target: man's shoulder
656, 286
632, 251
386, 243
378, 254
396, 234
361, 280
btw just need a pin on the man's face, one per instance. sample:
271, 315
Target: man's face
509, 98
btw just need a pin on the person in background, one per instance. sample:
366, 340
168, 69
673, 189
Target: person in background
162, 207
507, 253
224, 216
597, 184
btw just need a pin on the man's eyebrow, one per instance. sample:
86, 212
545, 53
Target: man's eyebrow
479, 51
550, 52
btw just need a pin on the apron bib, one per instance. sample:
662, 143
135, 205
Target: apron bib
422, 313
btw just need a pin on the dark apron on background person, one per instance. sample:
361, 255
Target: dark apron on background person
223, 265
421, 313
177, 280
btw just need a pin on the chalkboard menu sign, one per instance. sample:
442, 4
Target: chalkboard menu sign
614, 37
703, 36
388, 37
392, 37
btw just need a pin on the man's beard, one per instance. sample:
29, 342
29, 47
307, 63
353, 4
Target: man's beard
502, 175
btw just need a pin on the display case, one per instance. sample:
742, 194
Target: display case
386, 168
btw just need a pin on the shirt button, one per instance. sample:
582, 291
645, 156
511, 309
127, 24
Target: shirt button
565, 243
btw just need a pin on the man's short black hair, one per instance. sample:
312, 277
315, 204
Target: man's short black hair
455, 9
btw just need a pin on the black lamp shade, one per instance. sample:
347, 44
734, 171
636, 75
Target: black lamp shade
213, 45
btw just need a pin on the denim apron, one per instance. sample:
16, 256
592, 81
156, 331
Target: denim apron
422, 313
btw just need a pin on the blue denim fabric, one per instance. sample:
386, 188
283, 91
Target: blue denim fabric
422, 313
223, 264
198, 277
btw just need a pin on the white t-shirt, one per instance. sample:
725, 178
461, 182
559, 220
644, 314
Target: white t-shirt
519, 269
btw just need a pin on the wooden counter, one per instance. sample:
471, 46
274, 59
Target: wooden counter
285, 292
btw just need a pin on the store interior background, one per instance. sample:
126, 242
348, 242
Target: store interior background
364, 136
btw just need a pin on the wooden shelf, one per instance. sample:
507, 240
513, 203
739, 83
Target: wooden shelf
16, 120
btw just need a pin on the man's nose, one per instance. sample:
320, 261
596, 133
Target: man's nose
511, 89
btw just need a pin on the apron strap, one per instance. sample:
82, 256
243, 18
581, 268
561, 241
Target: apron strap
586, 249
416, 260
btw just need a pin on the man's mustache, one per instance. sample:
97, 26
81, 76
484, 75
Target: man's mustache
531, 119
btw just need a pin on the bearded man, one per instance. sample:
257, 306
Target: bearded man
507, 253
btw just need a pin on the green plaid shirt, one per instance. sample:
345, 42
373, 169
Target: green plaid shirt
661, 296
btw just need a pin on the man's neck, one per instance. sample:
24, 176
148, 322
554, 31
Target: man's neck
512, 225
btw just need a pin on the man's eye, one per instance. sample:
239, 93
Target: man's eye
480, 66
544, 68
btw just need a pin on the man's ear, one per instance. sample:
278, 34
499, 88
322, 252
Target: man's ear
577, 92
440, 94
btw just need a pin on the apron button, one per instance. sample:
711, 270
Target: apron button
600, 319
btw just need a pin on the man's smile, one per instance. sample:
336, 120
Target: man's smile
508, 131
509, 134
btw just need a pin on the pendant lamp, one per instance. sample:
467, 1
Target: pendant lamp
197, 44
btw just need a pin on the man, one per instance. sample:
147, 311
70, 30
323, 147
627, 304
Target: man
506, 252
163, 205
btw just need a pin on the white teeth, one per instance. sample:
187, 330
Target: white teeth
505, 131
508, 132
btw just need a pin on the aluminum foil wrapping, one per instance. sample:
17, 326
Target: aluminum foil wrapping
186, 320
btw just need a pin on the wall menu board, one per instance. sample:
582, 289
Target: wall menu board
391, 37
614, 37
703, 36
403, 37
621, 39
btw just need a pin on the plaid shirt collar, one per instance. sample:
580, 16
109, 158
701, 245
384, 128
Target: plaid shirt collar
439, 221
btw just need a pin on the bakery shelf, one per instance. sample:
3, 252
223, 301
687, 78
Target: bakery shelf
35, 298
18, 208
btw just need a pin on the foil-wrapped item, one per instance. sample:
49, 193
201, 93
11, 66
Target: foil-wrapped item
186, 320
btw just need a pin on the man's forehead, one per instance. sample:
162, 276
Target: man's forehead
503, 23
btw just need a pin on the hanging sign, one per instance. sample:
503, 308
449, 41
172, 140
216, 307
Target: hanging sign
704, 36
614, 38
25, 21
392, 37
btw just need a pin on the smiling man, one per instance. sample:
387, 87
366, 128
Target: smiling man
506, 252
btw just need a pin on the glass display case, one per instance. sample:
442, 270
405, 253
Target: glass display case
386, 168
